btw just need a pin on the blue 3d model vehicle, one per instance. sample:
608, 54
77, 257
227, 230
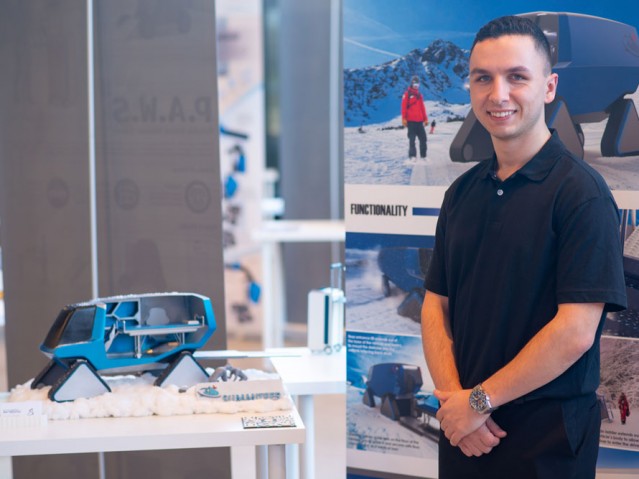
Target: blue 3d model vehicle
406, 268
398, 385
156, 332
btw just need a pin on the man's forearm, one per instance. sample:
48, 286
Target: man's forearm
438, 350
438, 344
548, 354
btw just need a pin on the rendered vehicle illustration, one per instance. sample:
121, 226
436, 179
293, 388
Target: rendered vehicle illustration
156, 332
406, 268
398, 386
605, 407
598, 65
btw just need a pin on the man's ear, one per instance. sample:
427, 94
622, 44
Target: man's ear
551, 87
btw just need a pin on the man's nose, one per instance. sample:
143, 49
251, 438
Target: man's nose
499, 91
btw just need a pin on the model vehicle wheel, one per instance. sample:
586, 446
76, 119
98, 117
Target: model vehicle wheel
369, 398
386, 286
389, 407
580, 134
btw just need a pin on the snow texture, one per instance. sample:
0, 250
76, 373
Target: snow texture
368, 430
367, 308
378, 154
135, 396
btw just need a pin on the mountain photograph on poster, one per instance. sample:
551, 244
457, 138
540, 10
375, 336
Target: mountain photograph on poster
387, 45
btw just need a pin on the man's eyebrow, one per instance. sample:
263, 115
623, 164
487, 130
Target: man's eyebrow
483, 71
479, 71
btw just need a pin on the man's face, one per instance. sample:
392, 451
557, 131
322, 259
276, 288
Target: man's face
509, 86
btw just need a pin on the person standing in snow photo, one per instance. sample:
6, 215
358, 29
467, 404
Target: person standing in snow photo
414, 117
624, 408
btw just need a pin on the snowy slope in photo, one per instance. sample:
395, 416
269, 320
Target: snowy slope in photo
377, 154
368, 430
367, 308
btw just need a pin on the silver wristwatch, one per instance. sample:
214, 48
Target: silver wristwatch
480, 401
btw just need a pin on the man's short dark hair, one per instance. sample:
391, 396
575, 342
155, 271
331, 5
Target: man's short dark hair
515, 25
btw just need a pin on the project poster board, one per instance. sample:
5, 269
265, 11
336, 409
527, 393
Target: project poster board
392, 200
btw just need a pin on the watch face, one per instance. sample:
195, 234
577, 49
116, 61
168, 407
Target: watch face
478, 400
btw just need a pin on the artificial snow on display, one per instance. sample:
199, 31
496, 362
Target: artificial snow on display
135, 396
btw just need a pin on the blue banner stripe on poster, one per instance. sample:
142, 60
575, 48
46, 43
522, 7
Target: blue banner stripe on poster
361, 474
370, 240
615, 458
425, 211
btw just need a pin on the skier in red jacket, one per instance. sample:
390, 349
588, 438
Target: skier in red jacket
624, 408
414, 117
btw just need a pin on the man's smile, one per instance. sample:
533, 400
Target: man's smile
502, 114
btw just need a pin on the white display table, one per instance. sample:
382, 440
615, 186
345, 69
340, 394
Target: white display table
155, 432
305, 373
304, 376
271, 235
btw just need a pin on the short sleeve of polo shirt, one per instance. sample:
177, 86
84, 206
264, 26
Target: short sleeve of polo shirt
436, 276
589, 265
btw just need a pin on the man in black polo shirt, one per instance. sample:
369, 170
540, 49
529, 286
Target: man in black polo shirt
527, 261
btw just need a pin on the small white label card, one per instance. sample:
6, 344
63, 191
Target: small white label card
256, 422
25, 408
16, 415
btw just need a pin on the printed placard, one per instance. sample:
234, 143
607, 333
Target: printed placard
267, 389
25, 408
259, 422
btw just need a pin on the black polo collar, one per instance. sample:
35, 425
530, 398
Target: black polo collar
539, 165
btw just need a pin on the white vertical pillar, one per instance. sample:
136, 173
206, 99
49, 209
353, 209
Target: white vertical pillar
92, 178
93, 213
335, 72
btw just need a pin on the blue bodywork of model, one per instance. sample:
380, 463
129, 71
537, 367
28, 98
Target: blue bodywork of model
132, 333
